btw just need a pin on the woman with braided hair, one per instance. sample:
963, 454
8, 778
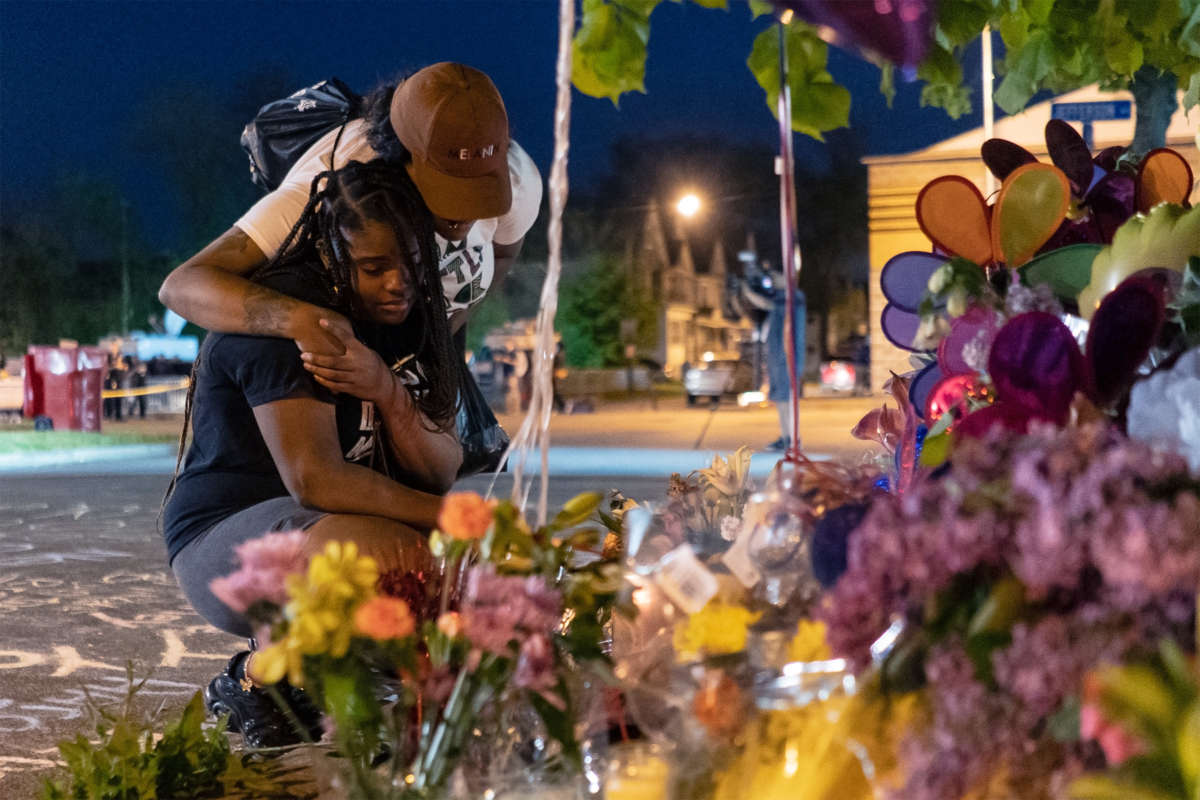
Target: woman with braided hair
354, 448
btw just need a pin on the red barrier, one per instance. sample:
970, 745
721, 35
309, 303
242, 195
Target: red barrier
64, 384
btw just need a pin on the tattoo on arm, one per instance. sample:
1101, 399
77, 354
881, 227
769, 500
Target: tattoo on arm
265, 311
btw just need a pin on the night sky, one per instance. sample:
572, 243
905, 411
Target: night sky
73, 75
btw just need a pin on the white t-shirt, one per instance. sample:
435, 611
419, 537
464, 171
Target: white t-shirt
467, 267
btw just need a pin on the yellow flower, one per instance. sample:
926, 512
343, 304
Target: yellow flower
716, 629
276, 660
321, 610
809, 642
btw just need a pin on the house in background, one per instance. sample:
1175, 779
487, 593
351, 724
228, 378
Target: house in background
683, 267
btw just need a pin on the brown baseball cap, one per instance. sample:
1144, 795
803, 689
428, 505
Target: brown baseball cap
451, 118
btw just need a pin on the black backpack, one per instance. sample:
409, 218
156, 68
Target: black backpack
284, 129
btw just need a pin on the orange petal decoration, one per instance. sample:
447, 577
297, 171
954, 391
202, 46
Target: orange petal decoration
952, 213
1029, 208
1163, 177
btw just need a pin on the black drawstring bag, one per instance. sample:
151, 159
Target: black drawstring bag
284, 129
483, 441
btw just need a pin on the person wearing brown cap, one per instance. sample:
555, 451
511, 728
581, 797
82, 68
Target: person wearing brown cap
448, 124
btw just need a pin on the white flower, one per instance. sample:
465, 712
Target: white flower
956, 303
1164, 409
939, 279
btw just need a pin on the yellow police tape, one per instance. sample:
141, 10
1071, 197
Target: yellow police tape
145, 390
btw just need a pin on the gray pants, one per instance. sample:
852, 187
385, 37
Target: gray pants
211, 555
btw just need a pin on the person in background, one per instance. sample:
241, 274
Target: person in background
137, 380
114, 379
355, 448
447, 126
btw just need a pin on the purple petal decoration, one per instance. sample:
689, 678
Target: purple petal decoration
1007, 415
900, 326
898, 30
1112, 203
1036, 365
976, 328
1003, 156
905, 276
1070, 153
1123, 330
922, 385
1072, 232
1106, 159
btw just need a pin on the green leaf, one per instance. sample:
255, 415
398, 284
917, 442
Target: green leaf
943, 83
818, 103
1100, 787
721, 4
1191, 98
609, 50
1063, 724
936, 449
578, 509
887, 82
760, 7
959, 22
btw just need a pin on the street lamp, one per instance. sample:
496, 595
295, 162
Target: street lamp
688, 205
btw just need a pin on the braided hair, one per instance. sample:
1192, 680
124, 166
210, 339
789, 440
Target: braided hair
316, 250
378, 191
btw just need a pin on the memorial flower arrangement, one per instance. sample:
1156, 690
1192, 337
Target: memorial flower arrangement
405, 683
1000, 584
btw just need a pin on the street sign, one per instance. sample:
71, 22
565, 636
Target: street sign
1090, 112
1087, 113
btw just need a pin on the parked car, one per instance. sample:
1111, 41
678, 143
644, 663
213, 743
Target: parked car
718, 377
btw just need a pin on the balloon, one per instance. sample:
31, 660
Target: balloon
905, 276
1164, 176
1164, 238
1032, 203
1065, 270
1123, 330
898, 30
953, 214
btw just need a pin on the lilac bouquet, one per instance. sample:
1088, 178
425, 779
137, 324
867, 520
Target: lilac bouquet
1016, 569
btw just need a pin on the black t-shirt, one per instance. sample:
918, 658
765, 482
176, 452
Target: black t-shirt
228, 467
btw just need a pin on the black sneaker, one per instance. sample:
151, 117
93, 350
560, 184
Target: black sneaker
254, 713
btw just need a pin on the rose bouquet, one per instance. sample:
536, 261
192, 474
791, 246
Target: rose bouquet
411, 686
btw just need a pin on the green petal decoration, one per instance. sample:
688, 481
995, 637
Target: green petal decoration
1164, 239
1066, 270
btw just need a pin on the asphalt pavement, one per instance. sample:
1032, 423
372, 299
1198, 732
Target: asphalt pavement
85, 591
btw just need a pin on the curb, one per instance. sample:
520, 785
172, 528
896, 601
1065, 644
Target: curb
21, 462
563, 461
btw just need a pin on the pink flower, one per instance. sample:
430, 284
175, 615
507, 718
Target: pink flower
283, 551
1117, 743
265, 564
